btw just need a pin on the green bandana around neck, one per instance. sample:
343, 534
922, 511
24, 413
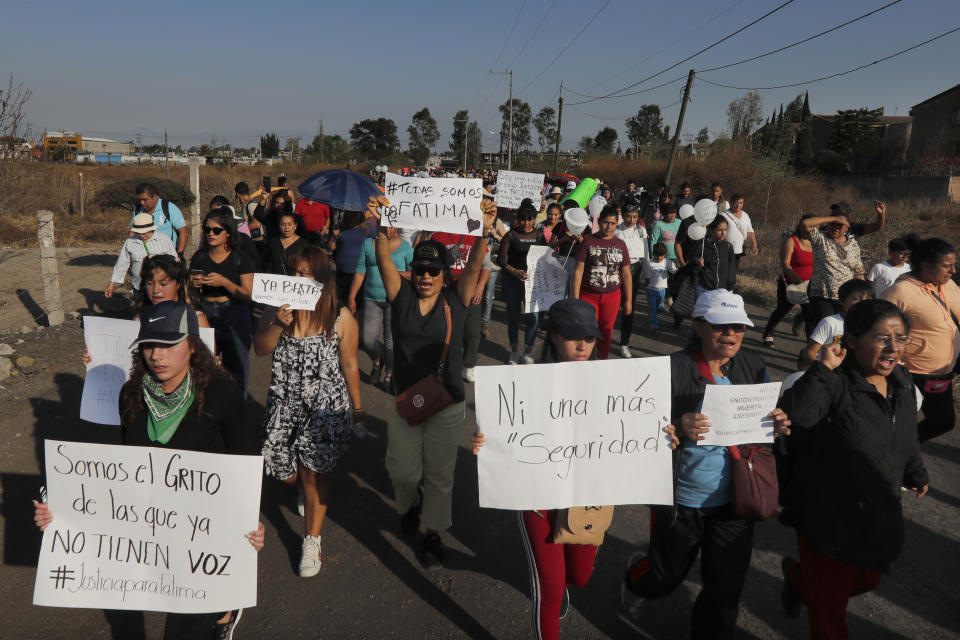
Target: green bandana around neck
165, 411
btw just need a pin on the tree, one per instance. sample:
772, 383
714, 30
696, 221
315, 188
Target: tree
461, 121
335, 149
858, 139
803, 158
423, 134
474, 145
744, 114
703, 136
586, 144
375, 138
546, 128
646, 128
604, 141
521, 123
269, 145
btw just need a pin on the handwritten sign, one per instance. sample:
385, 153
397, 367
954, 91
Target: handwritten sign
514, 186
108, 343
555, 438
546, 280
148, 529
738, 413
276, 291
434, 204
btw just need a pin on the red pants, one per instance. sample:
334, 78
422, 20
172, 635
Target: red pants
607, 306
826, 586
552, 568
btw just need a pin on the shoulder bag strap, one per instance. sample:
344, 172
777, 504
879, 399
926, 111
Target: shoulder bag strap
944, 305
706, 373
446, 341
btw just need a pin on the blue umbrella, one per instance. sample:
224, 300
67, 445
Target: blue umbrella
340, 189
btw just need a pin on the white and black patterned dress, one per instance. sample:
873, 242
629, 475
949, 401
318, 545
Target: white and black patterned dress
308, 415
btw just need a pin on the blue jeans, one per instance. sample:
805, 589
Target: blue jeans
514, 292
655, 302
376, 316
488, 295
233, 330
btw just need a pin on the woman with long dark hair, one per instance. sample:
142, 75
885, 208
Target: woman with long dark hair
856, 410
314, 395
286, 244
512, 259
222, 277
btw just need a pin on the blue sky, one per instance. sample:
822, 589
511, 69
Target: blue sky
236, 70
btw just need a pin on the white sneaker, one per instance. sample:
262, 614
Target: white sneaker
514, 357
625, 352
526, 358
468, 374
310, 557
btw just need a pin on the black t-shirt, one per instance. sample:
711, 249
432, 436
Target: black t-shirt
236, 264
418, 339
279, 255
516, 245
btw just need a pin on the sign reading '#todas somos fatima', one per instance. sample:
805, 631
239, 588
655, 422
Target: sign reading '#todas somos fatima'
148, 529
555, 438
433, 204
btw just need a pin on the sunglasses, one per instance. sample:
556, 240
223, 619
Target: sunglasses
433, 271
214, 230
722, 328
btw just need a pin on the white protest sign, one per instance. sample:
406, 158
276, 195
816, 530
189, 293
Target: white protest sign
557, 437
546, 280
514, 186
108, 343
738, 413
148, 528
433, 204
276, 290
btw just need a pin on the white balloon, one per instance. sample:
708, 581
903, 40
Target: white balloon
686, 211
596, 205
705, 211
577, 220
696, 231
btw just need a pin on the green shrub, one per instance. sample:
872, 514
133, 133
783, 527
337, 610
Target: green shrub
120, 195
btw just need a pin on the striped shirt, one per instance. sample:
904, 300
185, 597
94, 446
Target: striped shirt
133, 253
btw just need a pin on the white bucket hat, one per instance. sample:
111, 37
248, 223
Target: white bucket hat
143, 223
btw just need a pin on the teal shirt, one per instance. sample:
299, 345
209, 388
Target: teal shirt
667, 234
367, 265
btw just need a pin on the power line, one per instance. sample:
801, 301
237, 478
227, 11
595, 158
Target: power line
532, 34
677, 64
632, 93
568, 45
834, 75
497, 59
798, 42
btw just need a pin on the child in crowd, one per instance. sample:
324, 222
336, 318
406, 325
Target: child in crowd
884, 274
830, 329
665, 230
656, 272
144, 243
633, 234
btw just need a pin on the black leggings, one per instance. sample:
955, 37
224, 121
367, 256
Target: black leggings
626, 321
784, 307
939, 415
818, 309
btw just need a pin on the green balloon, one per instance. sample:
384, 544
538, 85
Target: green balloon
582, 194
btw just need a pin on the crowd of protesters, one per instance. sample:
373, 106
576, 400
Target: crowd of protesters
882, 345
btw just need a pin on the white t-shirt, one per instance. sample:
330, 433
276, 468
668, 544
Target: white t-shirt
883, 276
828, 329
657, 272
635, 238
737, 229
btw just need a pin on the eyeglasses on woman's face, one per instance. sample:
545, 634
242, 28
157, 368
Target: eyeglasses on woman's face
214, 230
887, 340
420, 271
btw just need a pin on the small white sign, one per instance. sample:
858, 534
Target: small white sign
514, 186
433, 204
108, 343
148, 529
738, 413
555, 438
276, 291
546, 281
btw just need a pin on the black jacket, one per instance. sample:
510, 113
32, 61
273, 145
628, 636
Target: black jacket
857, 449
222, 427
719, 270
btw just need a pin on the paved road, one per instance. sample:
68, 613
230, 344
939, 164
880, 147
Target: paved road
372, 586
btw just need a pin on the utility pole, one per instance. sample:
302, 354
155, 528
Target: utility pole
556, 149
510, 116
320, 133
676, 134
166, 155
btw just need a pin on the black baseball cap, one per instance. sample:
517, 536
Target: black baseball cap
668, 207
574, 319
430, 254
843, 208
168, 322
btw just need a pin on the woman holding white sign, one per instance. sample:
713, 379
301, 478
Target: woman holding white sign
424, 429
857, 412
178, 397
556, 566
513, 260
703, 520
313, 384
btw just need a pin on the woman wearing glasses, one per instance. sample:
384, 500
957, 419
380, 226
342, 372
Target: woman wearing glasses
857, 412
702, 521
426, 314
223, 279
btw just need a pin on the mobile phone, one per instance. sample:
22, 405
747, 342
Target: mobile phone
196, 272
266, 184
